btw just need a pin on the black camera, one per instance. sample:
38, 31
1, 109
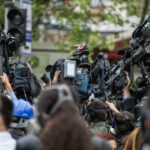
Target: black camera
140, 45
143, 81
24, 82
141, 35
8, 43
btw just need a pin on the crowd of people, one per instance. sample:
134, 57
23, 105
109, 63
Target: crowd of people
57, 120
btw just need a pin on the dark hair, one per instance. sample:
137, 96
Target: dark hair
125, 123
97, 111
65, 130
6, 109
47, 100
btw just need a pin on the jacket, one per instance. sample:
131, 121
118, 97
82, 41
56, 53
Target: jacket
99, 127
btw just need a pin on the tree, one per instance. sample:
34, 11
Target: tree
78, 16
2, 14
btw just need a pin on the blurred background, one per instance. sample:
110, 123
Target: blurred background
53, 27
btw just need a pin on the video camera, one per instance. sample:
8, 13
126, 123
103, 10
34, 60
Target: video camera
7, 47
140, 44
24, 82
75, 70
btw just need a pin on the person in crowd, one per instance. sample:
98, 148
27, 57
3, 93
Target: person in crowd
128, 102
146, 127
22, 112
100, 143
6, 110
20, 123
110, 139
97, 117
139, 138
32, 140
20, 105
62, 120
124, 123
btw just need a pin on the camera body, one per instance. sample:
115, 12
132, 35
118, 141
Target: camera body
24, 82
82, 79
7, 44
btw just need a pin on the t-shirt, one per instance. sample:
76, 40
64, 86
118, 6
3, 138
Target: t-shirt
6, 141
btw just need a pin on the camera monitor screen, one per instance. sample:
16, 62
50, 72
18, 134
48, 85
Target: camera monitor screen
69, 68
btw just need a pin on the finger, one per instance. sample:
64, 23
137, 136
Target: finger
107, 103
4, 74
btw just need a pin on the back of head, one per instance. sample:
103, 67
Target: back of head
67, 130
125, 123
63, 125
6, 110
49, 99
97, 111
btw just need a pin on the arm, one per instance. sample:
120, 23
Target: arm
112, 107
5, 81
126, 89
20, 106
56, 77
8, 87
128, 101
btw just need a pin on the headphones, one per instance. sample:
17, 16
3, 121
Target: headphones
64, 95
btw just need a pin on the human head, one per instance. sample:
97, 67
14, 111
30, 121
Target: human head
61, 123
22, 112
97, 111
68, 130
125, 123
48, 99
6, 110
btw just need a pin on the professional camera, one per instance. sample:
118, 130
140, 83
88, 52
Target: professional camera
24, 82
143, 84
75, 70
99, 66
81, 54
68, 66
99, 71
8, 42
7, 47
141, 35
82, 80
143, 81
141, 47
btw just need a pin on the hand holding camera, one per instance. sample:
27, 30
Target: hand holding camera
5, 80
126, 89
56, 77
